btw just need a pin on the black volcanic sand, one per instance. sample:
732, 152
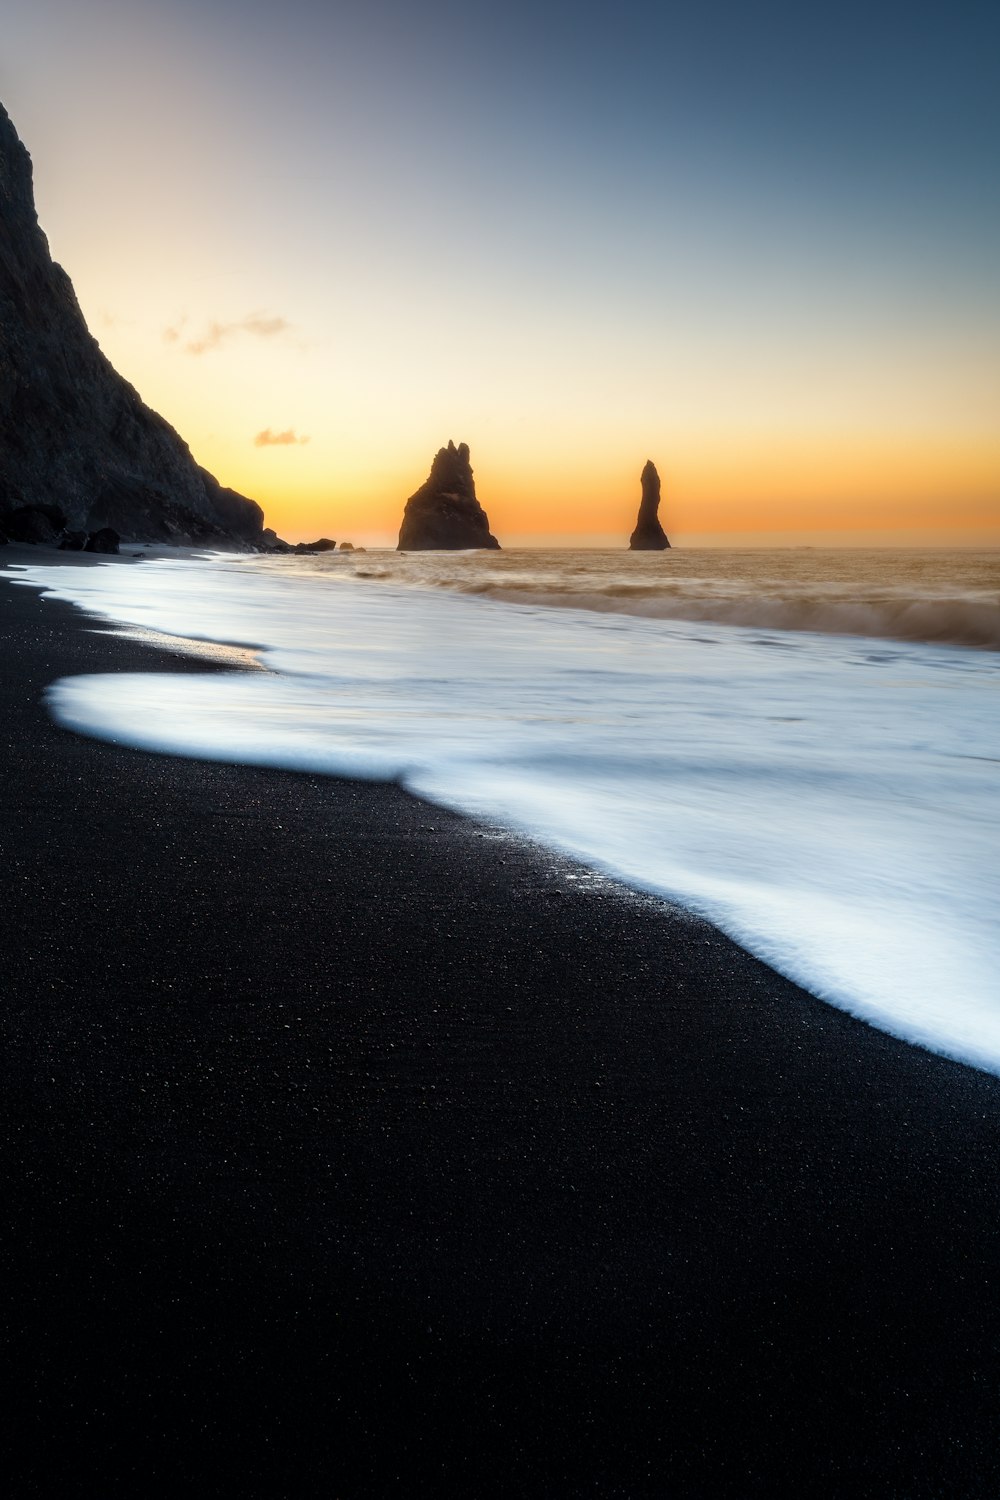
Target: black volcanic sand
351, 1149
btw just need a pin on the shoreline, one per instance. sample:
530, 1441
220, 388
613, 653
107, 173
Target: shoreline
353, 1147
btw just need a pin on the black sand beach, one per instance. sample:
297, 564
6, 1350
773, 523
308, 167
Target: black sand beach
351, 1149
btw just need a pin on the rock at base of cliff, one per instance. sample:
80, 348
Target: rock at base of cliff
104, 540
444, 514
649, 535
39, 524
270, 541
322, 544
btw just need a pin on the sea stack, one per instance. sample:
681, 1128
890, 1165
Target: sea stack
649, 535
77, 446
444, 514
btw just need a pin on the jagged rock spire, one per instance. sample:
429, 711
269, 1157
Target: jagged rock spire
649, 535
444, 514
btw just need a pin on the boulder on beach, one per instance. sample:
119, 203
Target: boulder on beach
444, 514
39, 524
323, 544
649, 535
105, 539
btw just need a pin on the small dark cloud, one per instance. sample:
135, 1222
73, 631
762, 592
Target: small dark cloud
269, 439
257, 324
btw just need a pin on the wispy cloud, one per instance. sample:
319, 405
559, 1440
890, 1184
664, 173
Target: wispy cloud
258, 325
269, 439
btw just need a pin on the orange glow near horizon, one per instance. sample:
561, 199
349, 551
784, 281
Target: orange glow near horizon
799, 330
875, 442
554, 463
899, 450
921, 495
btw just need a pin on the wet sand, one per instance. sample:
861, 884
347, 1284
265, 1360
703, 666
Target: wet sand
351, 1148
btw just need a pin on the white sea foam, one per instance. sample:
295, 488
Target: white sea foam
833, 803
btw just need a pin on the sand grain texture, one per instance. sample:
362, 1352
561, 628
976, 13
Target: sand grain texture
350, 1148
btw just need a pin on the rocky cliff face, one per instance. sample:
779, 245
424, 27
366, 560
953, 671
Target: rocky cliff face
74, 435
649, 535
444, 514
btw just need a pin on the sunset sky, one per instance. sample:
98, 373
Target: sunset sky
757, 243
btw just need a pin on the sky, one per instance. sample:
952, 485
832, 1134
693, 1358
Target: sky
757, 243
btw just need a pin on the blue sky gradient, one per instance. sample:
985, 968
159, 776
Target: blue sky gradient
736, 224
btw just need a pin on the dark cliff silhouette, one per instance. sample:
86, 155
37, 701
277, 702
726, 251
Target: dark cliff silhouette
649, 535
444, 514
75, 437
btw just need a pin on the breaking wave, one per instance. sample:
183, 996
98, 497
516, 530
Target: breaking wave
935, 598
955, 622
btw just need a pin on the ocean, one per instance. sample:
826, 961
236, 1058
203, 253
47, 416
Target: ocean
801, 745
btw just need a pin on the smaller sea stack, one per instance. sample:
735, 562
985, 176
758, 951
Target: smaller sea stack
444, 514
649, 535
